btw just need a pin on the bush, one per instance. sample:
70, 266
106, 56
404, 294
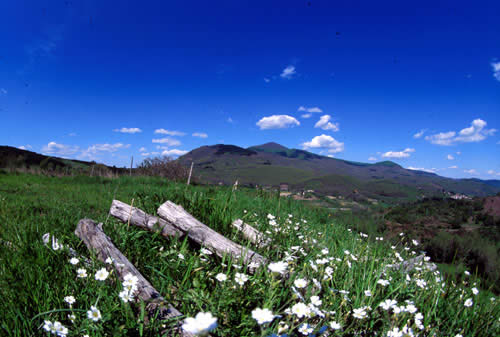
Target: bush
163, 167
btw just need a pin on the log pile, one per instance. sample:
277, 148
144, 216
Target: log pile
173, 222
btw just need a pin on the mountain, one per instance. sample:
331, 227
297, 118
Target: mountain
271, 164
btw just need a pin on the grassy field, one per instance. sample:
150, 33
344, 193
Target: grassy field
337, 283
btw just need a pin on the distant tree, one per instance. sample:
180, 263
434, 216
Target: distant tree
163, 167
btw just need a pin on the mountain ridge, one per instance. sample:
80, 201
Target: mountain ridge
270, 164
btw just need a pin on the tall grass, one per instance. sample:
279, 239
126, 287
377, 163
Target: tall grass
338, 264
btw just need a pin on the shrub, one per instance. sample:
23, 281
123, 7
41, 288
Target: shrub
163, 167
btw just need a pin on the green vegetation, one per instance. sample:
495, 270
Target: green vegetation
457, 232
341, 267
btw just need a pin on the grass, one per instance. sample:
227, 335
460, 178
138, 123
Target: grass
338, 264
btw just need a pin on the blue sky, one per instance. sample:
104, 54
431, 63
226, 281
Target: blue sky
416, 83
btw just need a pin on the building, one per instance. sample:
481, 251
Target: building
284, 187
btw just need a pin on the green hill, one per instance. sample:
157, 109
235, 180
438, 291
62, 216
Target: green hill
271, 164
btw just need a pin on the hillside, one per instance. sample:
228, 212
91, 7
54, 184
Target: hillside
271, 164
322, 276
14, 158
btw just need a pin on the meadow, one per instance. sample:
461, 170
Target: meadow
337, 282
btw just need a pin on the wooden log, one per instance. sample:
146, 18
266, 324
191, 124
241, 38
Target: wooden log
139, 218
205, 236
252, 234
409, 265
95, 239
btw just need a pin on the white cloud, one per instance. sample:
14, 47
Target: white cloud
72, 134
25, 147
458, 153
142, 149
324, 142
372, 159
493, 173
60, 149
433, 170
450, 157
314, 109
168, 132
419, 134
128, 130
398, 154
474, 133
230, 120
325, 124
277, 122
154, 153
496, 70
267, 80
471, 171
288, 72
308, 115
3, 91
173, 153
453, 167
200, 135
442, 138
167, 141
99, 148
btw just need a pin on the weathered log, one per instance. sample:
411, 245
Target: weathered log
139, 218
409, 265
95, 239
252, 234
205, 236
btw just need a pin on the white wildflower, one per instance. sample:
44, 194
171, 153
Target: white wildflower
262, 316
126, 296
201, 324
315, 300
81, 272
300, 283
70, 300
94, 314
359, 313
221, 277
300, 310
102, 274
240, 278
395, 332
278, 267
388, 304
335, 326
383, 282
74, 261
305, 329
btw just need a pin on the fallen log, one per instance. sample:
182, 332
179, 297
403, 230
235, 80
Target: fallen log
205, 236
409, 265
252, 234
139, 218
96, 240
